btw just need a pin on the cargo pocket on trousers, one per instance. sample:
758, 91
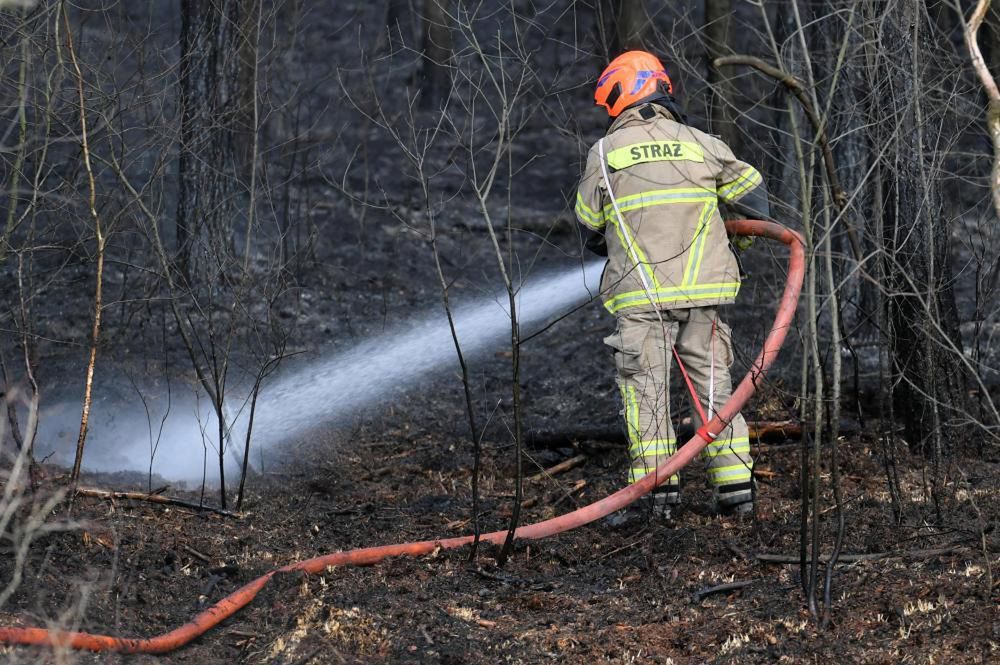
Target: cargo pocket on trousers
627, 343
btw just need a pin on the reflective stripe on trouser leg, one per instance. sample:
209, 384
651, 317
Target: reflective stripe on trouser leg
729, 465
642, 359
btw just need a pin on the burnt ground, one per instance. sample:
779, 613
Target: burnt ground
401, 471
598, 594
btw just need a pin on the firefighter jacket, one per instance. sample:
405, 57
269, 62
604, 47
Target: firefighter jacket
667, 244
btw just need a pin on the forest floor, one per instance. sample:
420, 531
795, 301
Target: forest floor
923, 590
631, 594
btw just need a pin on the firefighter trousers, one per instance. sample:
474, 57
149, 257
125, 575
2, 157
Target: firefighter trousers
643, 358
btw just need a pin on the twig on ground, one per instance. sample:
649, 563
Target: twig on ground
562, 467
579, 485
737, 550
834, 507
721, 588
95, 493
377, 473
623, 547
854, 558
195, 553
243, 633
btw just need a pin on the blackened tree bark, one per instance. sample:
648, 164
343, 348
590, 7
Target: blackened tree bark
218, 70
210, 120
436, 49
779, 161
853, 152
399, 20
717, 24
248, 43
843, 62
631, 24
624, 25
922, 317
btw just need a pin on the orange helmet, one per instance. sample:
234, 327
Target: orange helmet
631, 77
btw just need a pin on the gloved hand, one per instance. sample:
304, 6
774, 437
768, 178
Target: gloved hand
742, 243
736, 254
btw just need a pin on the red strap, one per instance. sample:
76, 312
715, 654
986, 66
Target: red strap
687, 380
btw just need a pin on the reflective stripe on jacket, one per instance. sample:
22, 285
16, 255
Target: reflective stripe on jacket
668, 179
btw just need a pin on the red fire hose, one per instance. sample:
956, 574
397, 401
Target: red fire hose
235, 601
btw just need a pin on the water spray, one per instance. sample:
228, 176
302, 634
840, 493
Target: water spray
320, 391
232, 603
390, 363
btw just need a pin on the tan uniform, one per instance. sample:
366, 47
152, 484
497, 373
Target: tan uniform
669, 267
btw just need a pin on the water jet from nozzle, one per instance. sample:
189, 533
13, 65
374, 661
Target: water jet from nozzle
310, 393
390, 363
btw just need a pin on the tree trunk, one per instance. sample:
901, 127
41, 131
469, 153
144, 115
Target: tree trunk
399, 20
991, 52
853, 153
436, 49
209, 101
780, 162
625, 25
717, 21
248, 41
631, 24
923, 336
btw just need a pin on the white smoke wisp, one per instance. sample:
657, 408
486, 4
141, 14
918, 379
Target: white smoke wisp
324, 391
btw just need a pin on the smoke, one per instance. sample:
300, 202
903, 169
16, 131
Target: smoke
180, 433
23, 5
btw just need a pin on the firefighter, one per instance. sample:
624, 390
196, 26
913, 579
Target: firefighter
650, 197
